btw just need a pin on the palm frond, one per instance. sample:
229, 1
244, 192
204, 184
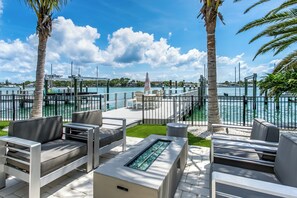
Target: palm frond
270, 19
278, 29
284, 5
35, 5
289, 62
254, 5
221, 17
44, 10
209, 10
281, 43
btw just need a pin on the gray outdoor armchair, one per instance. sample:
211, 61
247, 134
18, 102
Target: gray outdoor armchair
36, 152
260, 131
229, 181
262, 145
111, 131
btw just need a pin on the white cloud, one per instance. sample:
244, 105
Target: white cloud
76, 43
231, 61
17, 56
126, 48
275, 62
67, 43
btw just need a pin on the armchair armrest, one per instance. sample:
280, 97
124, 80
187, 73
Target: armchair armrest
78, 126
34, 154
111, 118
252, 184
234, 139
230, 126
245, 145
121, 126
90, 130
242, 146
81, 127
19, 141
246, 160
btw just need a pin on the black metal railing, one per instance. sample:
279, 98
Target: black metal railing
187, 108
235, 110
19, 106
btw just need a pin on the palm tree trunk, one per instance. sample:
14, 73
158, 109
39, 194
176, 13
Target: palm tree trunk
213, 109
38, 93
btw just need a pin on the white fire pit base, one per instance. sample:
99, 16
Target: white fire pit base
115, 180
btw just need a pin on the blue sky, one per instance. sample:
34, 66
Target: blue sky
130, 37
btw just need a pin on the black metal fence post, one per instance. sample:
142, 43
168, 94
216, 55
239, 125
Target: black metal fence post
254, 94
56, 104
100, 102
13, 107
75, 95
142, 109
244, 109
125, 99
192, 109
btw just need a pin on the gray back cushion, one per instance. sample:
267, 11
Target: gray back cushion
285, 166
38, 129
265, 131
88, 117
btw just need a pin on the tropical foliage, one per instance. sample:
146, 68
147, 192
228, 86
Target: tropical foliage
209, 13
281, 28
43, 10
278, 83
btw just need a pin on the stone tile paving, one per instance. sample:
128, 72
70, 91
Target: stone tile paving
77, 184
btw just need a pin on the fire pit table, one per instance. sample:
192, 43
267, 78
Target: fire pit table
152, 168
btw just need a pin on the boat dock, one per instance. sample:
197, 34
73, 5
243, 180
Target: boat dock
156, 110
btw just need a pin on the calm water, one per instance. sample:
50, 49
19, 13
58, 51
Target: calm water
231, 91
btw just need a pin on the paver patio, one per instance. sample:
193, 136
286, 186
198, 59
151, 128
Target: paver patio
194, 182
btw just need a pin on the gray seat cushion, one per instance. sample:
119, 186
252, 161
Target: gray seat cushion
106, 136
264, 131
243, 173
88, 117
39, 129
245, 153
286, 160
54, 155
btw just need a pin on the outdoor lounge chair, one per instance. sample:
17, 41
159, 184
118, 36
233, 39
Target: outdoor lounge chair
231, 181
269, 132
262, 145
107, 138
34, 151
138, 99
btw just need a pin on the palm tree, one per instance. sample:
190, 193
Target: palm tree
209, 13
281, 28
277, 84
43, 10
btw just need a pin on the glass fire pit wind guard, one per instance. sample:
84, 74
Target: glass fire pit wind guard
148, 156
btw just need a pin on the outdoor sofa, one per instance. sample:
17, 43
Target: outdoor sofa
230, 181
262, 146
36, 152
111, 131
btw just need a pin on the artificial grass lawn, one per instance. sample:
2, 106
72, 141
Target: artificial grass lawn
3, 124
143, 131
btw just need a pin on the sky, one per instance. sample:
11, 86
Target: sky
127, 38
